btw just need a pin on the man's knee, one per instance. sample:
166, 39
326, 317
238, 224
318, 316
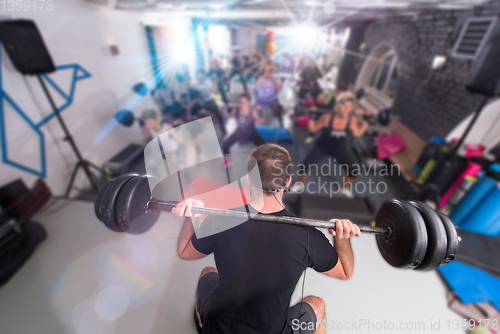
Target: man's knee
208, 270
318, 305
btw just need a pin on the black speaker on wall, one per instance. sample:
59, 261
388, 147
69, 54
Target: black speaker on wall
485, 75
25, 47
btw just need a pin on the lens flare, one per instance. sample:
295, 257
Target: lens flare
112, 302
184, 53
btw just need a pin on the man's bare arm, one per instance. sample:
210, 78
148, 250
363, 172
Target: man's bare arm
342, 244
316, 125
185, 248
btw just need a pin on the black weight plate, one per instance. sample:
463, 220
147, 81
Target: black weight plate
131, 212
452, 235
407, 244
99, 207
436, 235
109, 201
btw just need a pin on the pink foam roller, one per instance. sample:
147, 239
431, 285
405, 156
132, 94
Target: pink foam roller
472, 170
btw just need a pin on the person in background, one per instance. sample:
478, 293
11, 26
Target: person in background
338, 129
167, 99
158, 95
172, 143
324, 102
266, 91
219, 76
246, 118
309, 77
256, 57
255, 64
236, 67
246, 57
204, 85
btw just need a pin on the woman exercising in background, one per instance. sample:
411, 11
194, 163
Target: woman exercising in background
246, 117
337, 132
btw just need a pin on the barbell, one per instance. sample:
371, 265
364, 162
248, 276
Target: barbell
409, 234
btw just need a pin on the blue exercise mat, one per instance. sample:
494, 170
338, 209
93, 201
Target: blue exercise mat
272, 134
472, 285
486, 217
472, 199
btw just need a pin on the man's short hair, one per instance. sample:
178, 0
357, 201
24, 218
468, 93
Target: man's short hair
149, 114
274, 165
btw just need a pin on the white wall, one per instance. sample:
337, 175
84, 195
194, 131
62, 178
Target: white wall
79, 32
246, 37
219, 40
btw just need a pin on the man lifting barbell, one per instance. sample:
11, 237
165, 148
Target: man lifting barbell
259, 259
259, 264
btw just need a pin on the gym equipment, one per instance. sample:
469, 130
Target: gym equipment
486, 216
125, 117
431, 162
473, 248
125, 204
28, 53
472, 285
385, 116
453, 238
271, 134
360, 92
472, 169
402, 220
483, 80
476, 195
106, 212
437, 238
460, 193
430, 150
389, 145
141, 89
124, 160
11, 192
444, 174
25, 206
17, 245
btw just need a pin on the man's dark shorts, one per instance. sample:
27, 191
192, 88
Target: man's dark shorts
300, 316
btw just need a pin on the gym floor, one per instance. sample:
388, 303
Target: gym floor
65, 286
70, 284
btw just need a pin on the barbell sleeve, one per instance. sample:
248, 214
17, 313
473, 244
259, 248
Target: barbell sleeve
168, 206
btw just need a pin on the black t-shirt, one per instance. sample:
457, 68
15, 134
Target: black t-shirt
259, 265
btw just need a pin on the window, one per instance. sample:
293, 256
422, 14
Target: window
385, 78
473, 37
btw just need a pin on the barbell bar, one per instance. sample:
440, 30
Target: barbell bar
167, 206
